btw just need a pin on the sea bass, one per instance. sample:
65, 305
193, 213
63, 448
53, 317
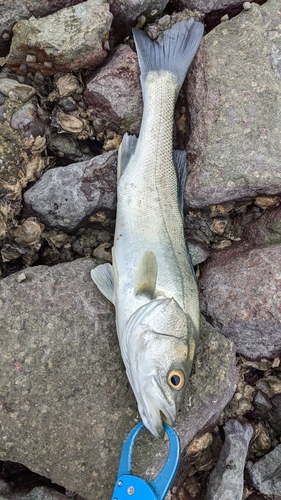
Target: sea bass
151, 281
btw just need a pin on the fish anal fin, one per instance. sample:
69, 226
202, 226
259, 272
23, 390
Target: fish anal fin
103, 278
126, 151
146, 275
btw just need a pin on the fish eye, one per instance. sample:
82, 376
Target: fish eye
176, 379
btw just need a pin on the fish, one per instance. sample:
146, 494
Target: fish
151, 281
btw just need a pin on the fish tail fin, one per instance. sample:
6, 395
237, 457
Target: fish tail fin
174, 50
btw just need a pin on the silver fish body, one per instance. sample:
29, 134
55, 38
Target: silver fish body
152, 282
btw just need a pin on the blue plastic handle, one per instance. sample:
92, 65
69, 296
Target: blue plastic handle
130, 487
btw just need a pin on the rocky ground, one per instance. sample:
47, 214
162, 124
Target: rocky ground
69, 89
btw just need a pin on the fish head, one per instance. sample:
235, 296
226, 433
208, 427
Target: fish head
158, 348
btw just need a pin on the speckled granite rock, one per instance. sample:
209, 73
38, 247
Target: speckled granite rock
227, 478
11, 11
67, 40
114, 92
65, 196
206, 7
240, 290
234, 93
66, 405
265, 473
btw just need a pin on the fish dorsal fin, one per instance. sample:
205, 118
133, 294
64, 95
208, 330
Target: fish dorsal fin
103, 278
180, 164
126, 151
146, 275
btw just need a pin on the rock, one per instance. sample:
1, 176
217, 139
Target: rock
206, 7
227, 478
67, 40
66, 404
108, 92
240, 292
66, 146
126, 12
37, 493
21, 148
235, 109
65, 196
262, 227
11, 11
265, 474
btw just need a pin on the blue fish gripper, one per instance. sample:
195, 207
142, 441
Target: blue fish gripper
130, 487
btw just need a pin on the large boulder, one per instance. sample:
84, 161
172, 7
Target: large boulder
65, 402
234, 93
240, 291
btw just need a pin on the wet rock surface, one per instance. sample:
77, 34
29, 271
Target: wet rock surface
236, 110
65, 205
72, 38
248, 281
63, 385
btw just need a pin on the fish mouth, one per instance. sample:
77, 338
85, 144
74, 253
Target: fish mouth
154, 408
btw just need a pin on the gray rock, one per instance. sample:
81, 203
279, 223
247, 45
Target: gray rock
64, 197
67, 40
37, 493
240, 291
9, 87
126, 12
266, 473
11, 11
66, 405
227, 478
68, 147
206, 7
235, 110
114, 92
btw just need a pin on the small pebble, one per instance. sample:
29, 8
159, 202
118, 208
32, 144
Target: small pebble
247, 5
225, 18
21, 277
48, 64
5, 37
30, 58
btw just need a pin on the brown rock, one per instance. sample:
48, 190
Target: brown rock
234, 147
114, 92
67, 40
240, 293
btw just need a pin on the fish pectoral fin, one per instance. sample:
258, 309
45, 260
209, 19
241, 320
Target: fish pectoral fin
146, 275
126, 151
103, 278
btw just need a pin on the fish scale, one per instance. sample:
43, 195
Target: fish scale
151, 281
